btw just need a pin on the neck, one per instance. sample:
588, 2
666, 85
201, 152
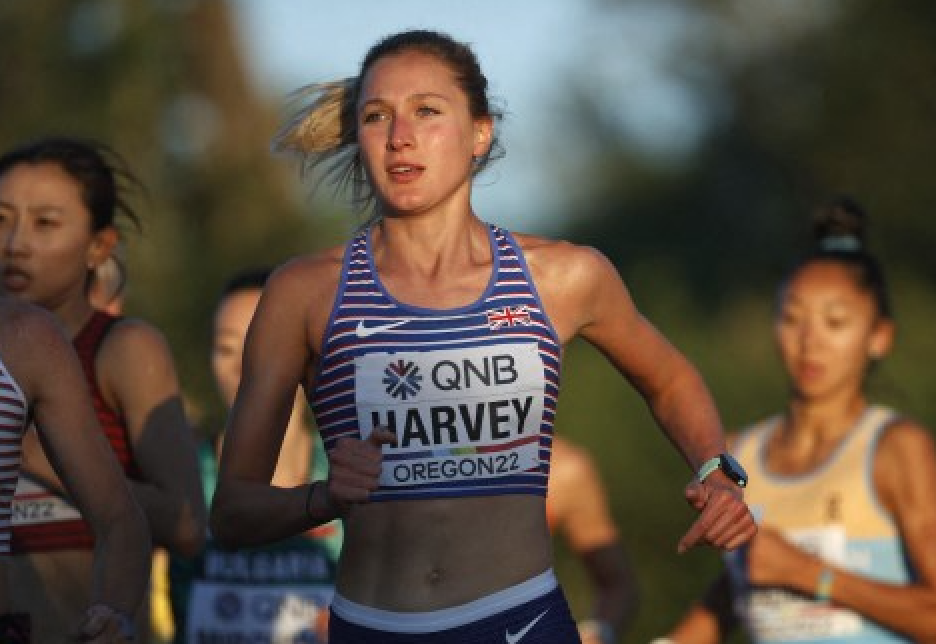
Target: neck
430, 245
825, 420
74, 315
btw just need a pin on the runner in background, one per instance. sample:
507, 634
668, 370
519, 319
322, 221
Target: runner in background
42, 384
63, 201
283, 589
844, 486
578, 512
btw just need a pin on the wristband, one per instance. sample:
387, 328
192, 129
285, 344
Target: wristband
599, 628
125, 626
824, 585
663, 640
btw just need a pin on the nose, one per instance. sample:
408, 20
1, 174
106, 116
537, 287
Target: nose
808, 333
400, 134
15, 238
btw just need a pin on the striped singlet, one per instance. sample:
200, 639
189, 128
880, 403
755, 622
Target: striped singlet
470, 393
42, 520
14, 417
832, 511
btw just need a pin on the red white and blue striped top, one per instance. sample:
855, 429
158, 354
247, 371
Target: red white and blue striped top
14, 415
469, 392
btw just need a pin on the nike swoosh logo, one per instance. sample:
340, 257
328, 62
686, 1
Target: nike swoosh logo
513, 638
363, 331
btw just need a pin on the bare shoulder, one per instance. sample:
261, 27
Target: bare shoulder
32, 343
132, 338
581, 290
562, 259
308, 277
22, 322
905, 470
903, 442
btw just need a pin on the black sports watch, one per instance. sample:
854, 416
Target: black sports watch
727, 464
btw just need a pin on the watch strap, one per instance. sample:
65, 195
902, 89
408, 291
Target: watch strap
708, 467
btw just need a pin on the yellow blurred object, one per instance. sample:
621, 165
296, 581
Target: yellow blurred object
162, 627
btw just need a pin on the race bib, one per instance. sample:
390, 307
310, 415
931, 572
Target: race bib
234, 613
778, 615
458, 415
34, 504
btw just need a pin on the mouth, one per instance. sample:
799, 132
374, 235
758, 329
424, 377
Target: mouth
15, 280
809, 370
404, 172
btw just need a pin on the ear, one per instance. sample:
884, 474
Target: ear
882, 339
102, 246
483, 134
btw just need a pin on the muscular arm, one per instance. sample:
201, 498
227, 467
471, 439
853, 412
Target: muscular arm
136, 372
584, 294
246, 509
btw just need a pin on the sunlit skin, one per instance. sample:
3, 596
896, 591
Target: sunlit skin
417, 138
828, 332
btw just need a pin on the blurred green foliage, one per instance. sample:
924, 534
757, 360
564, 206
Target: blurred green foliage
801, 101
812, 100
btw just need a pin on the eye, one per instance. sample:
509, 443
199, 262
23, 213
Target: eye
837, 323
47, 222
427, 110
373, 117
787, 317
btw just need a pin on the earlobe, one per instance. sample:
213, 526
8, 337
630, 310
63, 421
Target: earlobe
881, 341
102, 246
483, 129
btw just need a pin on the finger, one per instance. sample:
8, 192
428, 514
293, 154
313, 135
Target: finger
696, 495
713, 505
742, 538
725, 522
725, 529
692, 536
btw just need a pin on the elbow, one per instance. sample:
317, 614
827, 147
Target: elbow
223, 523
189, 532
189, 538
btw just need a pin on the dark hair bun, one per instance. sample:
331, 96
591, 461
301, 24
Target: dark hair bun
840, 226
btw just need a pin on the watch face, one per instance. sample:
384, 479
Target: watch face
733, 469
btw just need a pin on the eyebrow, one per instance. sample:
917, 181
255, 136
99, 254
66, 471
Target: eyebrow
414, 97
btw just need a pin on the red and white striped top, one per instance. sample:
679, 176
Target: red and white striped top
13, 420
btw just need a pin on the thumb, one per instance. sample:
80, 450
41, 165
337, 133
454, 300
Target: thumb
381, 436
696, 495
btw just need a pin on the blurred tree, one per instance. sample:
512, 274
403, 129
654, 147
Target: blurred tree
165, 84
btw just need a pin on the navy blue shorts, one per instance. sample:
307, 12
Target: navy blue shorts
544, 620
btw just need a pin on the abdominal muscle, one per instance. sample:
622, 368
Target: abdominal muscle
417, 556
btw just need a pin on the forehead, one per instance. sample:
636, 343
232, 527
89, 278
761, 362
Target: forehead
407, 73
826, 280
37, 180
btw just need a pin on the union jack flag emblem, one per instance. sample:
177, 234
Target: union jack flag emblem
508, 316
